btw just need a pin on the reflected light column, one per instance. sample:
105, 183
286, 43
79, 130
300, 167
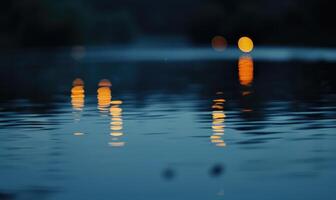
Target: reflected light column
77, 94
104, 95
246, 76
116, 124
77, 100
218, 118
245, 70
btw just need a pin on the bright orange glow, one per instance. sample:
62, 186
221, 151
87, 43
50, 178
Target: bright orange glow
218, 43
77, 91
215, 137
104, 98
245, 70
104, 95
115, 110
219, 100
218, 121
77, 100
116, 102
245, 44
217, 127
218, 115
77, 97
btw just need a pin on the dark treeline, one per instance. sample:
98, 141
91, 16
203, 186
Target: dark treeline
36, 23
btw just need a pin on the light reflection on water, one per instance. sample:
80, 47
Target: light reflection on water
77, 95
104, 95
170, 122
245, 68
116, 124
218, 118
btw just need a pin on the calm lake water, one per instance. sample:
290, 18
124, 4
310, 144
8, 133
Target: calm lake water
234, 129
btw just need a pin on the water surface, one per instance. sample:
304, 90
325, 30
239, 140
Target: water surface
234, 129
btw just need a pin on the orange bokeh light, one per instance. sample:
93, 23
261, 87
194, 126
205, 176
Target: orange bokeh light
78, 82
218, 43
105, 83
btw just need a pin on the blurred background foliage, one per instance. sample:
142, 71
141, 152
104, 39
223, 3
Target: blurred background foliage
53, 23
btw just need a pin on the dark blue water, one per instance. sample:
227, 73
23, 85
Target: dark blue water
234, 129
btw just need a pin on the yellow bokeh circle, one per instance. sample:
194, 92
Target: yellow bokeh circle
245, 44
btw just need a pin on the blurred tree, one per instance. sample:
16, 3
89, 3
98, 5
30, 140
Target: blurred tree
39, 23
31, 23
